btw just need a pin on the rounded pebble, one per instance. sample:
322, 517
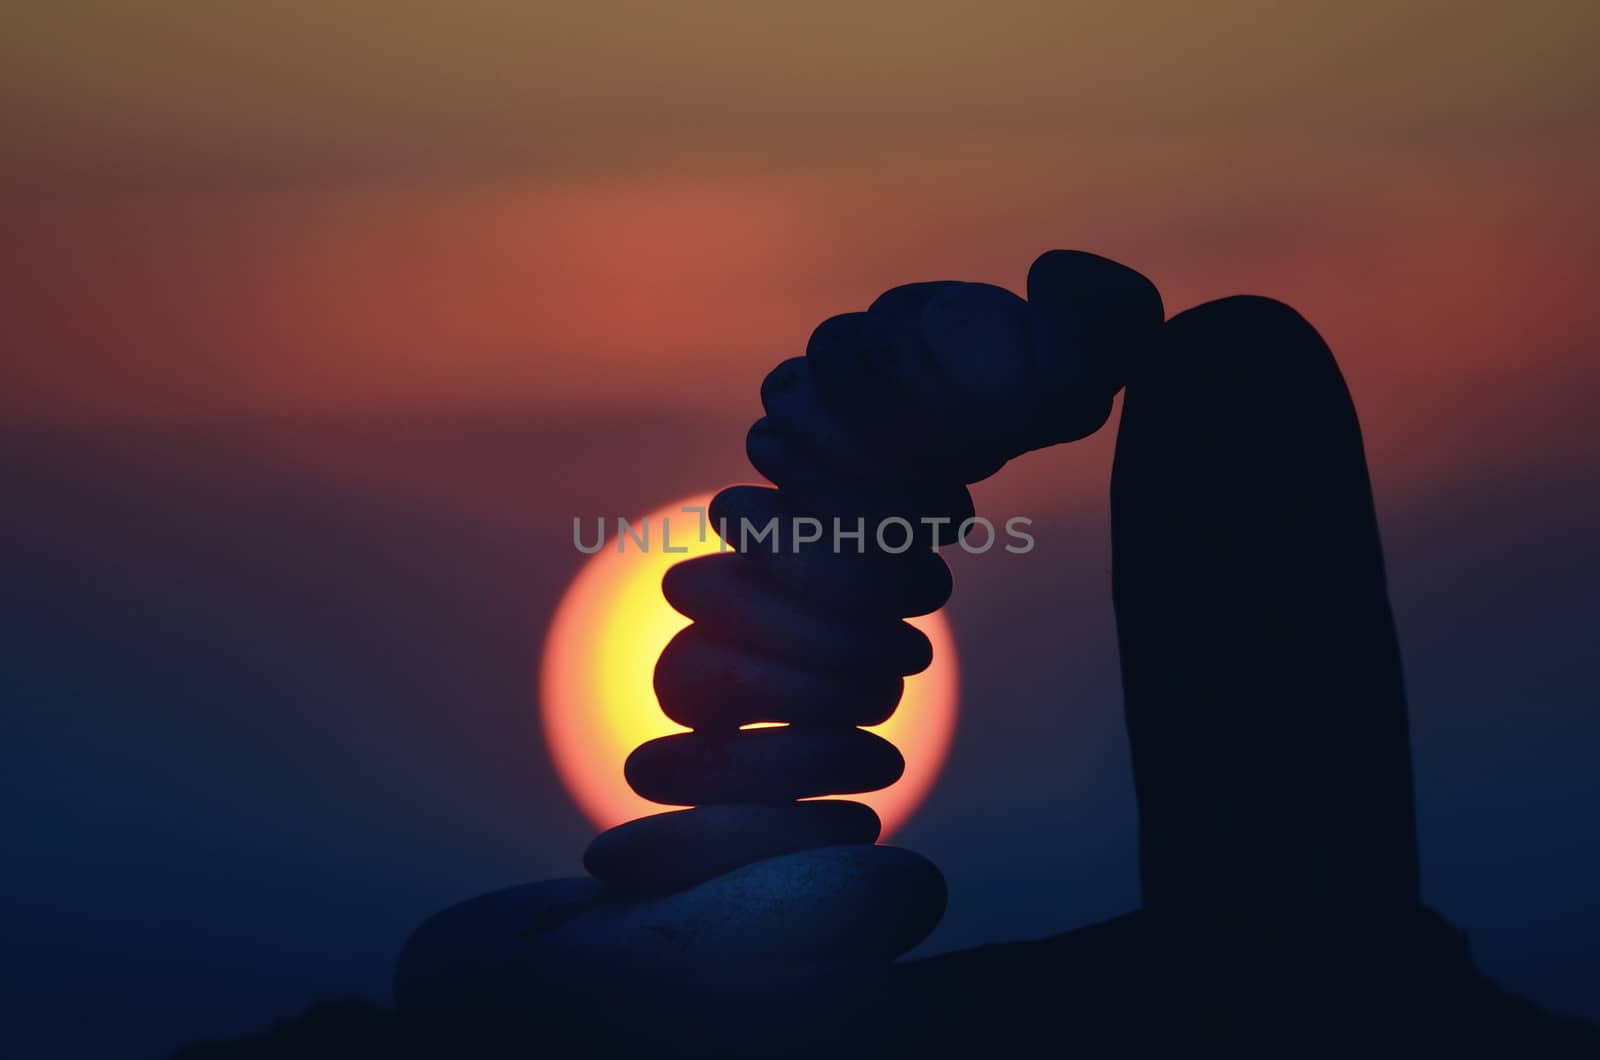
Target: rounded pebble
670, 851
779, 947
732, 596
806, 558
761, 765
707, 683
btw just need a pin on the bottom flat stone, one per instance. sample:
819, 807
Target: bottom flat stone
748, 963
669, 851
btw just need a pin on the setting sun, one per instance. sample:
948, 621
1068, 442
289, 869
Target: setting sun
597, 699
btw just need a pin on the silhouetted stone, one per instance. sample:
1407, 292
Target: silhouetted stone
977, 337
761, 765
815, 484
792, 405
731, 596
707, 683
753, 961
873, 374
1261, 675
473, 954
899, 403
857, 901
1092, 321
871, 584
788, 454
670, 851
933, 512
959, 378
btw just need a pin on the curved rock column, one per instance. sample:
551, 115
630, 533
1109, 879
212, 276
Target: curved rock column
870, 438
761, 905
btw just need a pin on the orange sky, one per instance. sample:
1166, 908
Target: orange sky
104, 93
611, 210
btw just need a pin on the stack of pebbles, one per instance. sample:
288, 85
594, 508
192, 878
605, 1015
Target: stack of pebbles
764, 914
804, 641
798, 635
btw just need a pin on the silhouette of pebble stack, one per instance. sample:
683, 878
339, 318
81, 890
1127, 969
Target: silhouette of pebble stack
810, 639
870, 439
782, 633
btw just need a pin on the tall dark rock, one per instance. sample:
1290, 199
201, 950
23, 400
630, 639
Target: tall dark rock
1264, 698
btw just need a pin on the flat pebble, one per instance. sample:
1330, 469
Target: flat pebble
873, 583
748, 962
705, 682
825, 486
761, 765
670, 851
732, 596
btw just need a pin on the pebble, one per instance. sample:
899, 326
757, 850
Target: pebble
704, 682
666, 852
761, 765
732, 596
1092, 322
814, 485
883, 384
750, 961
871, 583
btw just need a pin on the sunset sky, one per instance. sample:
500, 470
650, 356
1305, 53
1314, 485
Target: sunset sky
248, 210
320, 320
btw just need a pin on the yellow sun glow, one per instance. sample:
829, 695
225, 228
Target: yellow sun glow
600, 655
